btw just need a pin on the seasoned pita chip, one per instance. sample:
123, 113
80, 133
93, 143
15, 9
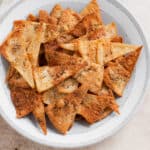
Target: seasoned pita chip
33, 34
14, 79
39, 114
62, 113
55, 58
129, 60
116, 77
23, 100
31, 17
52, 95
14, 50
56, 12
68, 86
89, 50
93, 107
88, 23
92, 7
118, 73
115, 50
91, 75
68, 20
46, 18
47, 77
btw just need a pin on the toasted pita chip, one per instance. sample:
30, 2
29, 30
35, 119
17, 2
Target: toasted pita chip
68, 20
62, 113
31, 17
92, 7
56, 12
39, 114
32, 33
46, 18
114, 50
35, 34
88, 23
68, 86
116, 78
47, 77
14, 50
23, 100
52, 95
89, 50
14, 79
91, 75
129, 60
55, 58
93, 107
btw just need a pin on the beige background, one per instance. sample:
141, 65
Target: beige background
134, 136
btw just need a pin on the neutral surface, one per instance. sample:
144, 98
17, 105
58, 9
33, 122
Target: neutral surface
134, 136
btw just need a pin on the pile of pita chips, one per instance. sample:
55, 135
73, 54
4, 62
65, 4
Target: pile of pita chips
65, 63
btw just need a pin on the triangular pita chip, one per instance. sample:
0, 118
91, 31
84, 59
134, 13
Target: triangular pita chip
116, 77
47, 77
39, 114
88, 23
62, 113
114, 50
129, 60
93, 107
92, 7
14, 50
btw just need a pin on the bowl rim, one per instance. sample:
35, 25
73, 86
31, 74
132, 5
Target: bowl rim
84, 144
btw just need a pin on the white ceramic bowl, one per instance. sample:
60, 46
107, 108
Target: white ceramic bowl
81, 134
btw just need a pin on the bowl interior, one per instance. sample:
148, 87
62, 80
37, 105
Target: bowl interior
87, 134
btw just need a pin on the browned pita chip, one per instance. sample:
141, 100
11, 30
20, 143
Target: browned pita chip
92, 7
68, 20
114, 50
33, 34
93, 107
116, 78
92, 51
68, 86
47, 77
39, 114
46, 18
23, 100
55, 58
91, 75
62, 113
129, 60
14, 50
14, 79
88, 23
118, 73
